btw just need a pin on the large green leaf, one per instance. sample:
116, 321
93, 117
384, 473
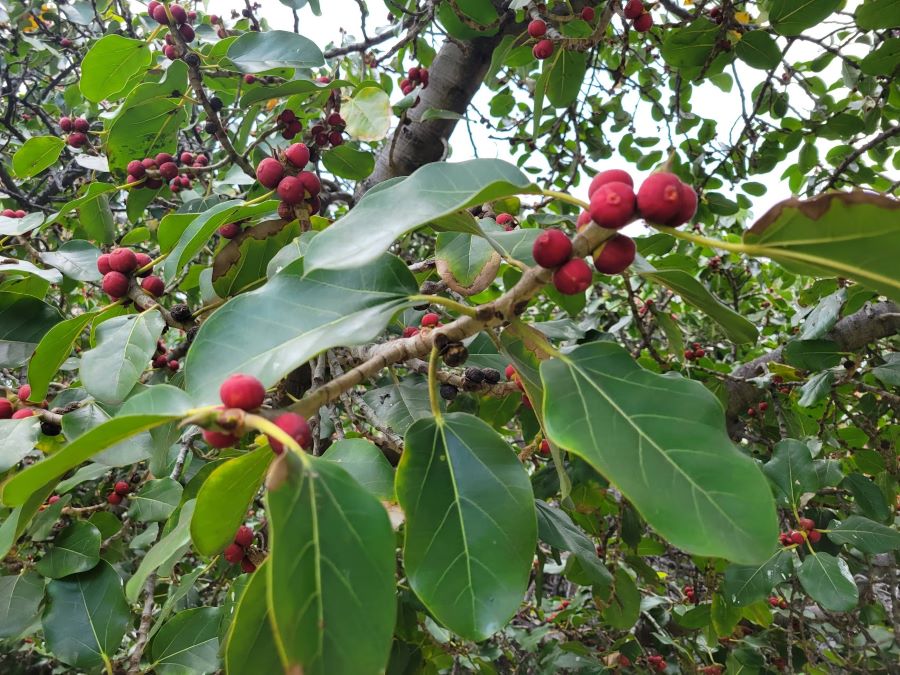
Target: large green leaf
470, 523
370, 228
812, 354
816, 389
737, 327
829, 582
331, 571
662, 441
24, 320
110, 63
255, 52
271, 331
791, 469
223, 499
758, 49
53, 350
20, 598
80, 421
76, 258
16, 226
250, 645
86, 617
244, 260
348, 162
399, 405
884, 60
792, 17
17, 439
690, 46
565, 73
875, 14
200, 229
36, 154
368, 114
864, 534
844, 234
155, 501
291, 88
746, 584
868, 496
167, 550
11, 266
144, 129
188, 642
466, 262
363, 460
75, 549
151, 408
621, 606
125, 346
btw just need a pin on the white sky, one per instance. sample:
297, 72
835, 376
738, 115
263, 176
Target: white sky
708, 100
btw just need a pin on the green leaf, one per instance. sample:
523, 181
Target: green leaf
556, 528
792, 17
889, 372
144, 129
398, 406
368, 114
864, 534
110, 63
348, 162
250, 645
829, 582
77, 259
255, 52
691, 46
375, 222
167, 550
151, 408
845, 234
75, 549
24, 320
331, 571
822, 319
746, 584
125, 347
367, 464
737, 327
816, 389
622, 608
812, 354
155, 501
565, 72
53, 350
20, 598
86, 617
197, 233
791, 470
724, 616
468, 264
876, 14
869, 497
224, 497
17, 439
85, 418
295, 318
243, 261
759, 50
36, 154
884, 60
662, 441
188, 642
17, 226
470, 523
291, 88
23, 267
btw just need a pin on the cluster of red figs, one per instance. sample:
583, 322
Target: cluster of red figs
163, 358
182, 20
415, 76
329, 132
657, 662
13, 213
76, 129
695, 352
293, 185
662, 199
120, 491
775, 601
691, 594
513, 376
236, 552
429, 320
762, 406
807, 531
8, 409
119, 264
245, 392
637, 13
154, 171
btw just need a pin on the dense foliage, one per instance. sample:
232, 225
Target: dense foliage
288, 386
